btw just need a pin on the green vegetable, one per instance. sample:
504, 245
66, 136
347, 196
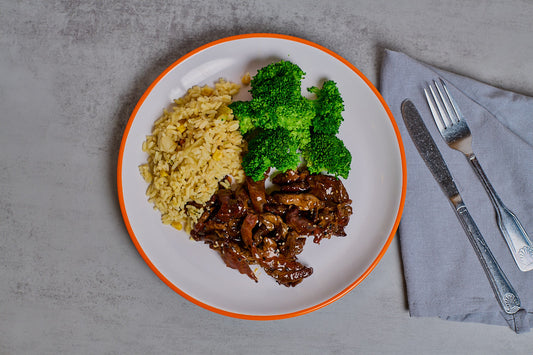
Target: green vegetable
280, 82
270, 148
329, 107
279, 122
277, 100
327, 153
243, 111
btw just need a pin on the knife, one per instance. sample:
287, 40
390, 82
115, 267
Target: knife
503, 290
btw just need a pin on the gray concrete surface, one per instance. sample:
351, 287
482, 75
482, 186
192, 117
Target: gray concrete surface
71, 281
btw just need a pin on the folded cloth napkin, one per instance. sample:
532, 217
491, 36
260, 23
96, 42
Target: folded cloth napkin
443, 276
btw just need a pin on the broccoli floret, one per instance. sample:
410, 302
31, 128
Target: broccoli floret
266, 115
277, 100
302, 136
329, 107
296, 116
327, 153
243, 111
279, 82
270, 148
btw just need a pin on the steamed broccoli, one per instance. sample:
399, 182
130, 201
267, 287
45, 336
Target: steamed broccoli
280, 82
327, 153
329, 107
279, 123
277, 100
242, 110
270, 148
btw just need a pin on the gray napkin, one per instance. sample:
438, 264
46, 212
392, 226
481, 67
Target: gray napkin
443, 275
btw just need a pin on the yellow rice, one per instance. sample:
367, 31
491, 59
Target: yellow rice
193, 146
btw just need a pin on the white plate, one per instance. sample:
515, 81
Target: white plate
376, 184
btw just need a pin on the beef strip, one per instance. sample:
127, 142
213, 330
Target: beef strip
276, 208
303, 225
290, 176
327, 188
257, 192
298, 186
285, 270
230, 207
248, 224
304, 202
235, 259
293, 245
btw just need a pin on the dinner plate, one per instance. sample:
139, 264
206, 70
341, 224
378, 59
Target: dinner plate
376, 184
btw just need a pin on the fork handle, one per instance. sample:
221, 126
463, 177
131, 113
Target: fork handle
503, 290
514, 234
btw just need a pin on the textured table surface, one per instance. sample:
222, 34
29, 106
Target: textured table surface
71, 280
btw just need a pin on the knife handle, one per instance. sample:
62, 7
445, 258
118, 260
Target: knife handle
505, 293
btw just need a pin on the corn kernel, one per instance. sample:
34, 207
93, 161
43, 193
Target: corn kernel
224, 110
177, 225
217, 155
181, 128
246, 79
163, 173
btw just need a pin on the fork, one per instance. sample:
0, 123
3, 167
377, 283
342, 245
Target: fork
453, 128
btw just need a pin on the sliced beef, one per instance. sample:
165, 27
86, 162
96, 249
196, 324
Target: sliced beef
327, 188
305, 201
257, 192
250, 226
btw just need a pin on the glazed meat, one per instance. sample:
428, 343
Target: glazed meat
304, 201
327, 188
257, 192
290, 176
250, 226
236, 259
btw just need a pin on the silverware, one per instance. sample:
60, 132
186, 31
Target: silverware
453, 128
504, 292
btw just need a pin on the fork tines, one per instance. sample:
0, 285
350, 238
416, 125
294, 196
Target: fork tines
443, 107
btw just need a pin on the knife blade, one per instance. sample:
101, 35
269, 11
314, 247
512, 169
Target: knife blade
426, 146
428, 149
